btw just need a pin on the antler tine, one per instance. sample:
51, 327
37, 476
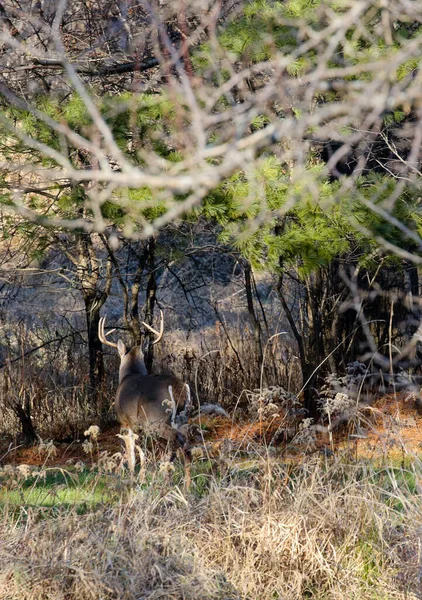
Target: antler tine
103, 336
159, 334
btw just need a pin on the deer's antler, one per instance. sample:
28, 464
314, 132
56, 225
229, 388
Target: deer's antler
159, 334
103, 336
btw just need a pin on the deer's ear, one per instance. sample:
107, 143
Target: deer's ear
121, 348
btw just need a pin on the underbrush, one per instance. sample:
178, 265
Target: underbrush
250, 528
47, 391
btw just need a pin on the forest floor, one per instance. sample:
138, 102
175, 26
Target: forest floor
389, 428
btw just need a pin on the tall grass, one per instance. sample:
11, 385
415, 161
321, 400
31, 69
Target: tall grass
251, 526
321, 529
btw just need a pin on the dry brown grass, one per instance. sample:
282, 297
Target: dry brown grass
252, 530
222, 365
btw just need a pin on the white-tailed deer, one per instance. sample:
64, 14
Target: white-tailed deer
157, 404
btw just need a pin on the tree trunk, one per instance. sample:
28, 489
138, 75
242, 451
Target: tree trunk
307, 367
96, 362
253, 318
24, 415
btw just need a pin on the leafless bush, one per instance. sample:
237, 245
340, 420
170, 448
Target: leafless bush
220, 366
51, 385
339, 396
271, 402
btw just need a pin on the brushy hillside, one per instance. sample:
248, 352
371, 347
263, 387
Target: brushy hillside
250, 527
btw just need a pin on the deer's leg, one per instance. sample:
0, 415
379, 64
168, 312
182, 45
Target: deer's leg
130, 450
174, 443
187, 457
188, 402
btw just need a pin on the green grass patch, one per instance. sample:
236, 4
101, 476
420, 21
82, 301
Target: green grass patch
55, 487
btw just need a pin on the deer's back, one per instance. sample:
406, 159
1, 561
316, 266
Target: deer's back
139, 400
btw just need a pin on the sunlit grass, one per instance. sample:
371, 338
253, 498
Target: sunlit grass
56, 487
248, 527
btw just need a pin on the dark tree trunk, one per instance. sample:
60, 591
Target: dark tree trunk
412, 279
310, 402
96, 362
21, 406
252, 315
24, 415
307, 367
135, 289
95, 287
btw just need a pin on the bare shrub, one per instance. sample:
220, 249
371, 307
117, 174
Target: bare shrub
46, 449
271, 402
51, 384
48, 385
220, 365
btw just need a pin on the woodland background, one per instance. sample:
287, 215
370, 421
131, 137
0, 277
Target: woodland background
253, 169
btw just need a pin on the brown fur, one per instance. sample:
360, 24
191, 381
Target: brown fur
140, 403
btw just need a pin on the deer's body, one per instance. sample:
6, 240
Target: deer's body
152, 403
144, 402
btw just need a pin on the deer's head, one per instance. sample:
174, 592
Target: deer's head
131, 359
